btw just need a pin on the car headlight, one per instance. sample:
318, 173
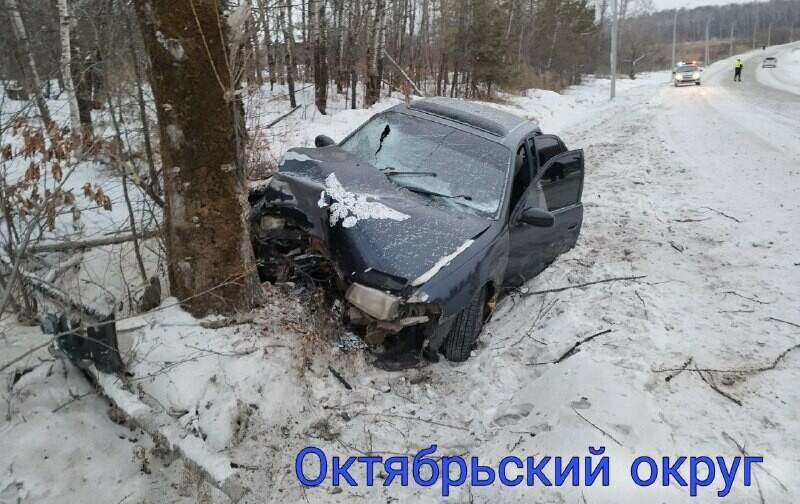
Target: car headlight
373, 302
696, 75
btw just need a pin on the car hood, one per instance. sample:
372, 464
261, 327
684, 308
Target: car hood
376, 232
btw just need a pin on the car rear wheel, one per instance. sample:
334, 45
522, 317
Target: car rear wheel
465, 330
697, 83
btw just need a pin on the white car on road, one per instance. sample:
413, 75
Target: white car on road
686, 74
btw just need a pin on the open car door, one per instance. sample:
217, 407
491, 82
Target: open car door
556, 190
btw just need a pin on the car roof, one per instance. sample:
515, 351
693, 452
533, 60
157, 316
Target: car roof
487, 121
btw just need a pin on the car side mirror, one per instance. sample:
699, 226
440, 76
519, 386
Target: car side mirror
323, 141
537, 217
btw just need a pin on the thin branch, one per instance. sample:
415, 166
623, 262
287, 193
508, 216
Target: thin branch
714, 387
281, 118
596, 427
91, 243
723, 214
586, 284
679, 371
574, 348
784, 321
743, 451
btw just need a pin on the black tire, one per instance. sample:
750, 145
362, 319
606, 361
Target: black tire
465, 330
697, 83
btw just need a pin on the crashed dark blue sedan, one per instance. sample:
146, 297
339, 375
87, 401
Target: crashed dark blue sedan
426, 212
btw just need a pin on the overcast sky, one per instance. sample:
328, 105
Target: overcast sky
671, 4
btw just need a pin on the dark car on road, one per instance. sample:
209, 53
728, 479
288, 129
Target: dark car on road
426, 212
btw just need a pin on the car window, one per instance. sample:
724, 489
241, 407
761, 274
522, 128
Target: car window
468, 172
562, 182
688, 68
523, 174
546, 148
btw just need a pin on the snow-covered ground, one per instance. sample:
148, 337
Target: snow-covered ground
697, 189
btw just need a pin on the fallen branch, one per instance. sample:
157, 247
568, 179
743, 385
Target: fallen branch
723, 214
677, 247
743, 451
404, 74
754, 300
215, 468
247, 318
710, 383
434, 422
679, 371
340, 378
783, 321
768, 367
596, 427
281, 118
586, 284
574, 348
53, 293
86, 244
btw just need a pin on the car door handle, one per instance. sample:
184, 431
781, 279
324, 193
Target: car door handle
572, 226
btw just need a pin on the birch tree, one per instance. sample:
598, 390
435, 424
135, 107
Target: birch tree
65, 22
22, 47
320, 41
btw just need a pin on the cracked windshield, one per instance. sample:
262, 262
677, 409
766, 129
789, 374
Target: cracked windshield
453, 168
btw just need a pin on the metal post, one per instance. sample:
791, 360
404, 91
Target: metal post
731, 48
706, 61
755, 30
674, 38
613, 49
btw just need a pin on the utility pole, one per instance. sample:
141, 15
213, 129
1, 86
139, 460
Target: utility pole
769, 34
755, 30
674, 38
707, 59
731, 48
613, 48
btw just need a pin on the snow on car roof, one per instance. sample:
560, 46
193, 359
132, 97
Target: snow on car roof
483, 117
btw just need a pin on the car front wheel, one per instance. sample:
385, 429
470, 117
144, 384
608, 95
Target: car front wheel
465, 330
697, 83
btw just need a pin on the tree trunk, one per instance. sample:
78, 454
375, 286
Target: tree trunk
288, 44
268, 45
81, 73
210, 259
375, 13
319, 37
22, 48
65, 27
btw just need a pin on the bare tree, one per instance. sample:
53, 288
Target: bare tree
31, 79
285, 24
320, 41
65, 22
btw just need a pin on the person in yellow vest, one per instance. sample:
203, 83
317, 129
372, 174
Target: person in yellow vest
737, 71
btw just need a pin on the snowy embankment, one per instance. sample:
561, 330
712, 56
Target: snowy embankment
786, 76
676, 191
